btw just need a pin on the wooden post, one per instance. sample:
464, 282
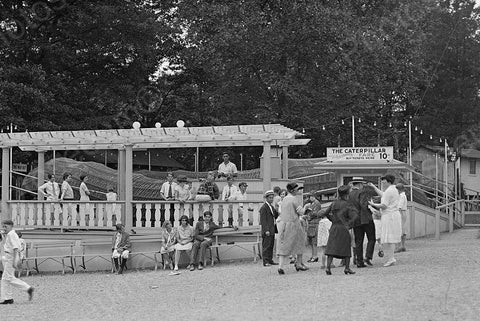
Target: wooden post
437, 224
267, 165
128, 187
412, 220
5, 182
285, 162
40, 171
121, 175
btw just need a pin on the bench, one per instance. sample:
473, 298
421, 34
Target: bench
220, 235
33, 252
106, 255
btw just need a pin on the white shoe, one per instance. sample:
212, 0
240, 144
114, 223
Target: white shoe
176, 268
390, 263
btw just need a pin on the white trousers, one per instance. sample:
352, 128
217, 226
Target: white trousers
9, 279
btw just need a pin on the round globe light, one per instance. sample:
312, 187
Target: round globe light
136, 125
180, 123
158, 125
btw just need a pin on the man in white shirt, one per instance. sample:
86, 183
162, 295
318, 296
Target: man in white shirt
229, 190
227, 168
11, 261
67, 195
50, 189
241, 195
402, 207
168, 188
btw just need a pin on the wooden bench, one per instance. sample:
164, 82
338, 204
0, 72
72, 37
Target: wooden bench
106, 255
220, 235
33, 252
87, 256
152, 254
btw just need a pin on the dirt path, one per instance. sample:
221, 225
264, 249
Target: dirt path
434, 280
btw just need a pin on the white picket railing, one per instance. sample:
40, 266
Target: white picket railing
103, 214
154, 213
67, 214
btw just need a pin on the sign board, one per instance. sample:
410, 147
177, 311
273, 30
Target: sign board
19, 167
353, 154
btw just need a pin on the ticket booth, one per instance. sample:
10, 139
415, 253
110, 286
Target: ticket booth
371, 163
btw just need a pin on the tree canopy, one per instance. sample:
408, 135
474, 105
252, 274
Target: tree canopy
306, 64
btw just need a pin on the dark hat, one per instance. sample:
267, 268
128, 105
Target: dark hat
389, 178
343, 190
7, 222
118, 226
357, 180
293, 186
242, 184
182, 179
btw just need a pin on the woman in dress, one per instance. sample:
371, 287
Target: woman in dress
342, 214
291, 235
84, 196
391, 219
168, 246
184, 239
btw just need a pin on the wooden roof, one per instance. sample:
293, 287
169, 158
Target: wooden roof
168, 137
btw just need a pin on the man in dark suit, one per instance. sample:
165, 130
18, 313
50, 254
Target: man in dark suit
362, 225
268, 214
202, 239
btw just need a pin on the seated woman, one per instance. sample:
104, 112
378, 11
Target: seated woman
184, 239
168, 246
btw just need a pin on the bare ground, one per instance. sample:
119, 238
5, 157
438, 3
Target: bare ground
433, 280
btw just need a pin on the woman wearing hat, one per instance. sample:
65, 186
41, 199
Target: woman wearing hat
342, 214
291, 235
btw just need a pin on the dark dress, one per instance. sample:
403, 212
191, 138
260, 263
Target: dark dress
342, 214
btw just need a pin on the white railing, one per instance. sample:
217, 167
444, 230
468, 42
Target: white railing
66, 214
154, 213
150, 214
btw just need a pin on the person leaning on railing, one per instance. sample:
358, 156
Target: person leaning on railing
208, 189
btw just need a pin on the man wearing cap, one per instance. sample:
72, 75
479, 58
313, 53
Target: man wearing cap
227, 168
362, 225
11, 260
268, 215
121, 248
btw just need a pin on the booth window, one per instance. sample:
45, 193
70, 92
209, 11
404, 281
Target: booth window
473, 166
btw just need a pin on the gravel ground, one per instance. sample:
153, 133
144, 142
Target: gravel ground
433, 280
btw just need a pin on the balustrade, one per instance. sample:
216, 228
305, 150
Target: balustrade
103, 214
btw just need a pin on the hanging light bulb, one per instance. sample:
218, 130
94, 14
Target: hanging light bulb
323, 127
405, 123
303, 130
421, 131
416, 128
359, 120
343, 123
390, 125
375, 123
431, 137
441, 141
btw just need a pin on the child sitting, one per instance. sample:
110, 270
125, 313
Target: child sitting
378, 228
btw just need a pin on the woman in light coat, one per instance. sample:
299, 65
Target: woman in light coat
291, 235
391, 219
